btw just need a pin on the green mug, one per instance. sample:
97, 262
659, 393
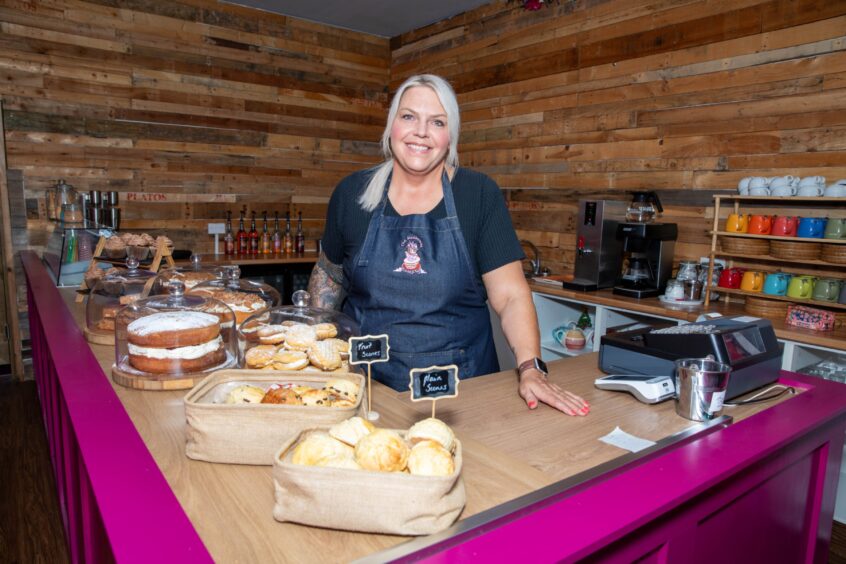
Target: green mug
801, 287
827, 289
835, 228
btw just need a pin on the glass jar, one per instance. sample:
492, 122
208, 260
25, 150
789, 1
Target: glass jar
174, 335
715, 279
688, 270
272, 328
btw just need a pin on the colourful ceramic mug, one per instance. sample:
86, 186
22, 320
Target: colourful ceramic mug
759, 225
737, 223
827, 289
776, 283
731, 277
784, 226
801, 287
812, 227
752, 281
835, 228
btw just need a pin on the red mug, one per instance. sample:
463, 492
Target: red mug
784, 226
731, 277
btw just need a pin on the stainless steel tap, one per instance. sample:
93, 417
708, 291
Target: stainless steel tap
536, 261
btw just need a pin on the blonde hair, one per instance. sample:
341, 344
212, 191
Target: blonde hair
372, 194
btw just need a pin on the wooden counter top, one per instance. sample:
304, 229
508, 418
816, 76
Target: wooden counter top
653, 306
509, 451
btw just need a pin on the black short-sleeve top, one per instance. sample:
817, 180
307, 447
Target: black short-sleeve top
479, 203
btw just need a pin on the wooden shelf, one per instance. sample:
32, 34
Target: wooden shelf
814, 262
779, 238
815, 303
821, 200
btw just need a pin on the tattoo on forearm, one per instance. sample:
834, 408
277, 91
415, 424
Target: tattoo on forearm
326, 284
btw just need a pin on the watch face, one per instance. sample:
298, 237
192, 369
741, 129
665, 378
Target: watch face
541, 365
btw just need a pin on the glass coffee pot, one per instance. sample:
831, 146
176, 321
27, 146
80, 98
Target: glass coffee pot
643, 207
637, 272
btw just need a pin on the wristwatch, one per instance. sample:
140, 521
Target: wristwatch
535, 363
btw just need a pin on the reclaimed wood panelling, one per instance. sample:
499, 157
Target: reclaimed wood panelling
593, 99
220, 107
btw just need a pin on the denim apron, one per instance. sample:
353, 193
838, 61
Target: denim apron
413, 280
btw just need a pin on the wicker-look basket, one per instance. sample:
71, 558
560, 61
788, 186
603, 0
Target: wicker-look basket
833, 253
795, 250
762, 307
742, 246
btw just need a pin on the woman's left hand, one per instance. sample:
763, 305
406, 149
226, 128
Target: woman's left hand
534, 387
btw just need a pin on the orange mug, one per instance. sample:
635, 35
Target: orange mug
753, 281
759, 225
784, 226
737, 223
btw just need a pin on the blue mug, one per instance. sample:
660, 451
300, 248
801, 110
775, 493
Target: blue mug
813, 227
776, 284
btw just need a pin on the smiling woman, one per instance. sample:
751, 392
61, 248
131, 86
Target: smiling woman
416, 247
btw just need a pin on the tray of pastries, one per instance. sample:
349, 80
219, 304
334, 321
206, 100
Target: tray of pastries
354, 476
243, 416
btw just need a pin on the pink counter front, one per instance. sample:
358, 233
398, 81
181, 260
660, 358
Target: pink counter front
760, 488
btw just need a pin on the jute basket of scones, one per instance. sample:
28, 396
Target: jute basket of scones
354, 477
243, 416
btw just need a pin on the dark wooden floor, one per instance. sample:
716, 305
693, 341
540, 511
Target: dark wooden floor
30, 522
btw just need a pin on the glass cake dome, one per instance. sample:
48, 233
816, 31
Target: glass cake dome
120, 287
172, 340
245, 297
297, 328
191, 275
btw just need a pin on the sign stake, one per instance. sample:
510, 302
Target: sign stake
368, 350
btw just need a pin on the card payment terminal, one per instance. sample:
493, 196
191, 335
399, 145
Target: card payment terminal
648, 389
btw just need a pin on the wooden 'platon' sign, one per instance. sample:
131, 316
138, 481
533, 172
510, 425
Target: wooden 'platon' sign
369, 349
434, 382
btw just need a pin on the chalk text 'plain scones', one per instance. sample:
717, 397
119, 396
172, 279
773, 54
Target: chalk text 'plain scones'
175, 342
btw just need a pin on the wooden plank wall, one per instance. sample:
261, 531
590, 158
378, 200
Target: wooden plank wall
597, 97
215, 106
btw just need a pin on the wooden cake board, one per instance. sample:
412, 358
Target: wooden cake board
158, 382
99, 338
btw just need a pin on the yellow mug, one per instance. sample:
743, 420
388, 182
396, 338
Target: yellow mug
737, 223
753, 281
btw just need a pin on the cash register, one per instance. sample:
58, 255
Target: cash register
747, 344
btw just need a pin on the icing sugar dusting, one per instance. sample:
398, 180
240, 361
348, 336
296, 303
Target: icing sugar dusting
171, 321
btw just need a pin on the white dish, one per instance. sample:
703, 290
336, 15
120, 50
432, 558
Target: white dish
682, 303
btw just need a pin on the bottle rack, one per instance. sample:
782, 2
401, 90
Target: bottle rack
820, 207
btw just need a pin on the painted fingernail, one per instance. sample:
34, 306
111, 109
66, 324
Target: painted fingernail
533, 404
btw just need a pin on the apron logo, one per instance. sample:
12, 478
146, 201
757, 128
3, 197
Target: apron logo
411, 262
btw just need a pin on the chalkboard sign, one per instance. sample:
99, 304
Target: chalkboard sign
369, 349
434, 382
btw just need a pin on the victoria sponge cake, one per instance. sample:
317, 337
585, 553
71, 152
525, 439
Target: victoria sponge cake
175, 342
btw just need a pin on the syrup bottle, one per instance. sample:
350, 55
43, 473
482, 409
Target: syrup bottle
265, 237
300, 239
228, 239
243, 240
289, 239
254, 236
277, 235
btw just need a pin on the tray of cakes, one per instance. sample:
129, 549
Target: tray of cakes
243, 416
141, 246
120, 287
354, 476
171, 342
244, 297
191, 275
297, 337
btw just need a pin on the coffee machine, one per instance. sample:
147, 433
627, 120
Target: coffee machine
647, 258
597, 262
